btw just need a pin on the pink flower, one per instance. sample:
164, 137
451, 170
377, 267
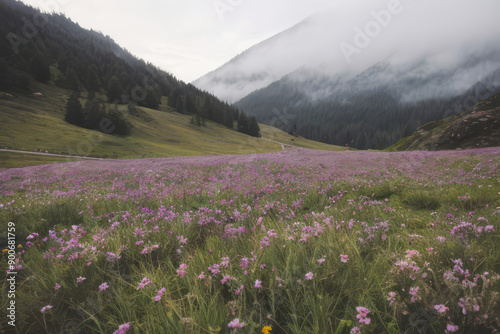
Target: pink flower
157, 298
463, 304
238, 291
441, 308
355, 330
45, 308
392, 298
451, 328
362, 316
226, 278
225, 262
309, 276
344, 258
244, 263
235, 323
103, 286
258, 284
57, 287
182, 270
202, 275
145, 281
123, 328
414, 293
80, 279
320, 261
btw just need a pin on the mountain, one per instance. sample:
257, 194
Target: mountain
478, 126
262, 64
372, 110
51, 49
367, 75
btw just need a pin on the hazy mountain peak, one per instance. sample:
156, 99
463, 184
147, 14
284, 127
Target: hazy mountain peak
355, 36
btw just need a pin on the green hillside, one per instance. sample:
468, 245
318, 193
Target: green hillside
37, 124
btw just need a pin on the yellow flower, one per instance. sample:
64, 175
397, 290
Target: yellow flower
5, 251
266, 329
19, 246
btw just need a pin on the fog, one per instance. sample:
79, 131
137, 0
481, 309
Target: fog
422, 37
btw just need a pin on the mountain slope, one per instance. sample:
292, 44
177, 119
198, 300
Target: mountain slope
478, 126
51, 48
37, 124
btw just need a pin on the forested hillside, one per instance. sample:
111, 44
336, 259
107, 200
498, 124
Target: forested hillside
368, 111
52, 48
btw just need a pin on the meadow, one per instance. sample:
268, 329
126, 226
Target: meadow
37, 124
299, 241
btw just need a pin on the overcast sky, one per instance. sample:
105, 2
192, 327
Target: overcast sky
187, 38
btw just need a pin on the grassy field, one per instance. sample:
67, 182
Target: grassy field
300, 241
16, 160
30, 123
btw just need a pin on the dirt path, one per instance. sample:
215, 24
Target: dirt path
51, 154
283, 146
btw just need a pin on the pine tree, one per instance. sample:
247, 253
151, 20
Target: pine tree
95, 112
253, 127
243, 123
74, 111
121, 125
151, 101
93, 81
228, 119
115, 90
72, 80
40, 67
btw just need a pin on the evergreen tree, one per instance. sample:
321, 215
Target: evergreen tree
180, 105
253, 127
74, 111
72, 80
243, 123
95, 112
115, 90
40, 67
151, 100
228, 119
93, 81
120, 125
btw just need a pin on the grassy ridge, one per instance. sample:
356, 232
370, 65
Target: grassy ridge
30, 123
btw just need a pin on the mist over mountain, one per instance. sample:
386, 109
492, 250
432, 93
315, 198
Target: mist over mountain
408, 31
368, 73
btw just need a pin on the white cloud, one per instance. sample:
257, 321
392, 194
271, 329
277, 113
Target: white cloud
184, 37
